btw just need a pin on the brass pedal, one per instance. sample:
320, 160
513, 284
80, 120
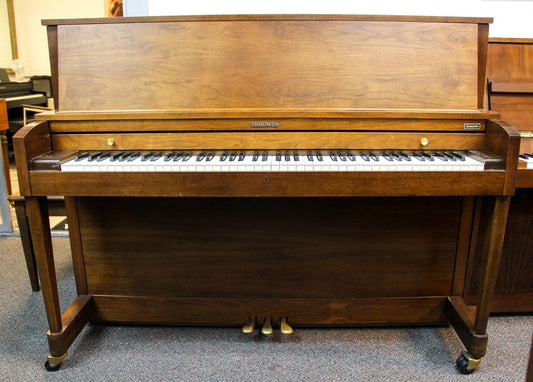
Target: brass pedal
267, 326
285, 327
249, 326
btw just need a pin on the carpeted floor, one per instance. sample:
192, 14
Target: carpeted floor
152, 353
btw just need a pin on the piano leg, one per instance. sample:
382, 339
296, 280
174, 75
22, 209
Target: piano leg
63, 328
470, 322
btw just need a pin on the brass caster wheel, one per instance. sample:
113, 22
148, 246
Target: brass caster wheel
466, 363
53, 363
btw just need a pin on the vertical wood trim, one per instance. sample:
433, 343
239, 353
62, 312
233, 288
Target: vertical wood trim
37, 211
52, 48
78, 263
29, 255
483, 45
12, 29
463, 245
467, 292
492, 249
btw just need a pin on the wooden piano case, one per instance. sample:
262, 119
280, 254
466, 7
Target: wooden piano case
510, 80
325, 248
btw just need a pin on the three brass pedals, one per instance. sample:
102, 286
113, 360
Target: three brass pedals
267, 325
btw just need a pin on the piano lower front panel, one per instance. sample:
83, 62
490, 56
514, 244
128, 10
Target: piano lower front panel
316, 260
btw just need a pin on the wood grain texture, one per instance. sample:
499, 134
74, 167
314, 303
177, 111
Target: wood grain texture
289, 184
30, 141
268, 140
268, 64
300, 312
269, 247
144, 124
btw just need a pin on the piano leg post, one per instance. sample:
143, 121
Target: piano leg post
470, 323
63, 328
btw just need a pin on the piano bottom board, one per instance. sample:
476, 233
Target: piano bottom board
311, 250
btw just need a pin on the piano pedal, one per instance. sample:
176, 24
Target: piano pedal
285, 327
267, 326
249, 326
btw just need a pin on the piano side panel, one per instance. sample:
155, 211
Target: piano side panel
268, 64
269, 248
514, 285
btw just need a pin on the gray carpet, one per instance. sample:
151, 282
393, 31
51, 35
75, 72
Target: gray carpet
152, 353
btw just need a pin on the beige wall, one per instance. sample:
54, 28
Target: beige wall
5, 42
31, 35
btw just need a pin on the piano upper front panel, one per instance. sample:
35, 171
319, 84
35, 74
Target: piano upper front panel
272, 64
270, 140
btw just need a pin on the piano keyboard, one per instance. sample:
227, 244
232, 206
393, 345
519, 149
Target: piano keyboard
270, 161
528, 158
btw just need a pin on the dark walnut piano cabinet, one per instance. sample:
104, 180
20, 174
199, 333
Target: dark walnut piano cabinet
371, 239
510, 91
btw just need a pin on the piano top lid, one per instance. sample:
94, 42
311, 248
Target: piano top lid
269, 17
268, 62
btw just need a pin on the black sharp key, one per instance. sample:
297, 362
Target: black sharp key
296, 156
365, 156
115, 156
459, 156
93, 156
529, 155
350, 156
82, 156
373, 156
278, 156
419, 156
441, 156
178, 156
200, 157
342, 156
223, 156
241, 156
210, 156
124, 156
169, 156
287, 156
156, 156
523, 156
405, 156
310, 156
102, 157
255, 157
232, 156
146, 156
133, 156
265, 156
427, 156
186, 156
450, 156
396, 156
388, 156
333, 156
319, 156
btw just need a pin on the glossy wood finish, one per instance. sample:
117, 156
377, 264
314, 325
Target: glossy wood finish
268, 65
321, 248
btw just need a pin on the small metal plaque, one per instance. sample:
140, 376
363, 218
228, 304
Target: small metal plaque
472, 126
264, 124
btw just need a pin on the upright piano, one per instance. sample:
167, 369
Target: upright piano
510, 93
269, 171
